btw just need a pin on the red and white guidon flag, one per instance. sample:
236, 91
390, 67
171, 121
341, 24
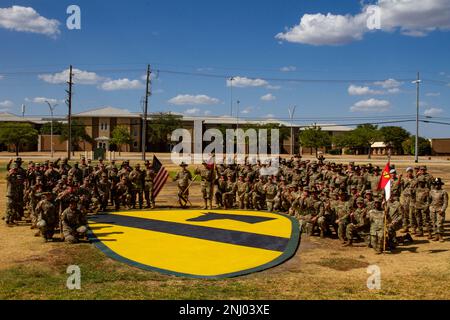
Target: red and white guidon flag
385, 181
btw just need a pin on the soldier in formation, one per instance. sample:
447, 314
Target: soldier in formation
331, 198
43, 193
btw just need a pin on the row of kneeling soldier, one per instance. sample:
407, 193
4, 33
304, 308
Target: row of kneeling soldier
59, 196
327, 198
330, 198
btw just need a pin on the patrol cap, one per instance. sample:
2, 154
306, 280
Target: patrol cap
393, 171
182, 164
438, 182
18, 160
409, 169
368, 192
360, 200
423, 168
74, 199
377, 199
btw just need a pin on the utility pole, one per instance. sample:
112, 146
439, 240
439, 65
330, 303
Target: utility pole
416, 148
231, 92
291, 116
144, 120
69, 116
52, 108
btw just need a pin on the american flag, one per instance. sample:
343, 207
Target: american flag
161, 176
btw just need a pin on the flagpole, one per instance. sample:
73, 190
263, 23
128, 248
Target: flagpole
386, 208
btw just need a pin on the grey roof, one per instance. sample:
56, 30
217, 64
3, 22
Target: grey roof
108, 112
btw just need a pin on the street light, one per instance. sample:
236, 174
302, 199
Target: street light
291, 116
51, 125
416, 148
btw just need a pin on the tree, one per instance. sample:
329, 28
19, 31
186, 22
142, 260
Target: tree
120, 136
365, 135
78, 134
57, 128
409, 146
18, 134
394, 136
315, 138
160, 127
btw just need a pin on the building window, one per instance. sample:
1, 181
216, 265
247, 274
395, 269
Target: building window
135, 144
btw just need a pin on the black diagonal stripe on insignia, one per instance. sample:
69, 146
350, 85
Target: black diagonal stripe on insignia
209, 216
241, 238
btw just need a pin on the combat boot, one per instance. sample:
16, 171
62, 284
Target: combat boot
420, 233
436, 237
205, 207
348, 243
441, 238
430, 235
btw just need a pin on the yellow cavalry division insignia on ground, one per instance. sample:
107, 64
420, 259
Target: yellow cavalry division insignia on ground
197, 243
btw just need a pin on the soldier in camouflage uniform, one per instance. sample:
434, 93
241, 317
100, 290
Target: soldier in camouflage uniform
136, 178
438, 205
359, 222
207, 176
183, 178
376, 218
421, 204
258, 196
103, 189
47, 216
342, 213
407, 200
220, 190
11, 196
122, 194
230, 193
243, 190
270, 190
314, 211
73, 222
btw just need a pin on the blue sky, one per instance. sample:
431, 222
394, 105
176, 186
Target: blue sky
365, 75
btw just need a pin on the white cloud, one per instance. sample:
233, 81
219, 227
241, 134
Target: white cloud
414, 18
121, 84
288, 69
318, 29
79, 77
431, 112
393, 90
361, 91
26, 19
370, 105
192, 111
6, 104
242, 82
388, 84
247, 110
268, 97
207, 112
270, 116
270, 87
433, 94
187, 99
43, 100
2, 77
